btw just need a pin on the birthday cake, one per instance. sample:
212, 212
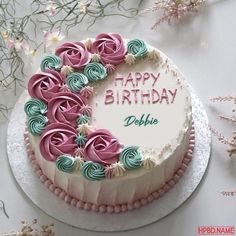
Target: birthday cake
109, 123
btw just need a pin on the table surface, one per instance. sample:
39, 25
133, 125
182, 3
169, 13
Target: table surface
204, 48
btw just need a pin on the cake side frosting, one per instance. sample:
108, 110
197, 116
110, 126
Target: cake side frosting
124, 142
111, 208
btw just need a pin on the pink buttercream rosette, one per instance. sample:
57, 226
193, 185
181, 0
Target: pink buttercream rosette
65, 108
57, 139
45, 85
102, 147
110, 47
74, 54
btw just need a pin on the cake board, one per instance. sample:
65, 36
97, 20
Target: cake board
60, 210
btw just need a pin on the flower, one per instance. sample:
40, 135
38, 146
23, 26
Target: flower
82, 7
57, 139
110, 47
45, 85
74, 54
52, 38
5, 35
51, 7
102, 147
29, 51
65, 108
17, 44
173, 10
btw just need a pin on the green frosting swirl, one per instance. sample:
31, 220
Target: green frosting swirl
36, 124
83, 119
95, 71
130, 157
35, 107
138, 48
76, 81
81, 140
66, 163
51, 62
93, 171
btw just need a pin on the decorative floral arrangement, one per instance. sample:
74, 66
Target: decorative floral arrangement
50, 18
173, 10
30, 229
230, 142
54, 19
59, 113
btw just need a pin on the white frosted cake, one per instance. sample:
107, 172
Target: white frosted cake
109, 123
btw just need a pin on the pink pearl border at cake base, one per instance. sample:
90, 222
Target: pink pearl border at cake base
109, 208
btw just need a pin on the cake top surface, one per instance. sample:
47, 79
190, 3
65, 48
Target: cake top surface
107, 105
142, 104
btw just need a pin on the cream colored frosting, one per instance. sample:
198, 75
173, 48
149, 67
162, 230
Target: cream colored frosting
167, 141
118, 169
149, 163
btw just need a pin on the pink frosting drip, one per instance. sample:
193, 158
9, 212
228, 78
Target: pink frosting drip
74, 54
65, 108
110, 47
102, 147
45, 85
57, 139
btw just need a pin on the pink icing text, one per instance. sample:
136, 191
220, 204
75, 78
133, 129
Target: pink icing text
130, 90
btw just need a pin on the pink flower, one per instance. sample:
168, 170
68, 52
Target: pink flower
74, 54
28, 50
17, 44
52, 38
57, 139
45, 85
65, 107
102, 147
110, 47
51, 8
